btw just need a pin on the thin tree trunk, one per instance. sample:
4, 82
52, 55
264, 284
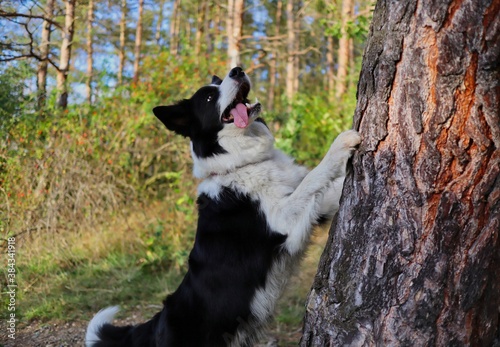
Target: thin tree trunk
296, 55
234, 28
207, 23
159, 22
121, 53
90, 50
44, 55
413, 258
174, 28
330, 63
343, 53
273, 65
200, 29
290, 62
65, 57
138, 42
218, 23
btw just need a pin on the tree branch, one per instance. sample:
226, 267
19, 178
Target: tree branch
30, 16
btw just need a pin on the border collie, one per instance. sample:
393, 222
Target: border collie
256, 212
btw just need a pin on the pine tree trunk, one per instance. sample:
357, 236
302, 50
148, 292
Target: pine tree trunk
174, 28
121, 52
290, 62
200, 31
65, 57
234, 25
44, 55
138, 42
273, 64
343, 52
413, 257
90, 50
161, 6
330, 66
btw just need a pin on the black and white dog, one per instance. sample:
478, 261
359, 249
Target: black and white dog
256, 211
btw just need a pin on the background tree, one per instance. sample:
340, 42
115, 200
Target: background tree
90, 49
234, 31
138, 41
121, 49
65, 52
44, 54
413, 258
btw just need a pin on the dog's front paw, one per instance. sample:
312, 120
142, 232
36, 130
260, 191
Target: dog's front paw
348, 140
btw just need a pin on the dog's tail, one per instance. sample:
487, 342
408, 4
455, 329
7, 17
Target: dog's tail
100, 333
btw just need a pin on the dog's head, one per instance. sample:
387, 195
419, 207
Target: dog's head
224, 128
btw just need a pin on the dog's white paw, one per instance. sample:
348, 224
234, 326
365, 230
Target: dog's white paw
348, 140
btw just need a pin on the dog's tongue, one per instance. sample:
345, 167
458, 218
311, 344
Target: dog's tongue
240, 115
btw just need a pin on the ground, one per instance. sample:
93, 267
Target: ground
71, 334
285, 331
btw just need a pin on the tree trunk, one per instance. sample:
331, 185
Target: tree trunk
121, 53
330, 64
200, 29
273, 64
90, 50
343, 52
65, 57
44, 55
413, 257
159, 22
174, 28
234, 27
138, 42
290, 62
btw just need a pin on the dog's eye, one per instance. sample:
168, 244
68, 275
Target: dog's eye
209, 98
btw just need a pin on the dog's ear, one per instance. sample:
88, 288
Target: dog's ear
175, 117
216, 80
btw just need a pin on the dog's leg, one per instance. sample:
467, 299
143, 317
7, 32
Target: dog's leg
300, 210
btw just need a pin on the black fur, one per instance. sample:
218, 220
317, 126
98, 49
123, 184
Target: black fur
233, 251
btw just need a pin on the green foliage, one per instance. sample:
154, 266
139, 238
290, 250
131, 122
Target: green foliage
12, 97
308, 131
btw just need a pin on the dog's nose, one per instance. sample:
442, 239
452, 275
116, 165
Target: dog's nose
236, 72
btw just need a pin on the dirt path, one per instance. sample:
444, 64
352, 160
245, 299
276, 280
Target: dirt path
54, 334
71, 334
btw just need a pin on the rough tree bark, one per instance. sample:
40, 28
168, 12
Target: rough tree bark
44, 54
65, 56
413, 257
138, 42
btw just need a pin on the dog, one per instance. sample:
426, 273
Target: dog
256, 211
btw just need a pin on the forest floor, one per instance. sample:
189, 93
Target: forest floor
71, 334
285, 331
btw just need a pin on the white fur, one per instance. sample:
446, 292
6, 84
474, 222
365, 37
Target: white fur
102, 317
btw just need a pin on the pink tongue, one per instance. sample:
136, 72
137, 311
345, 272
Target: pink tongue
240, 115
